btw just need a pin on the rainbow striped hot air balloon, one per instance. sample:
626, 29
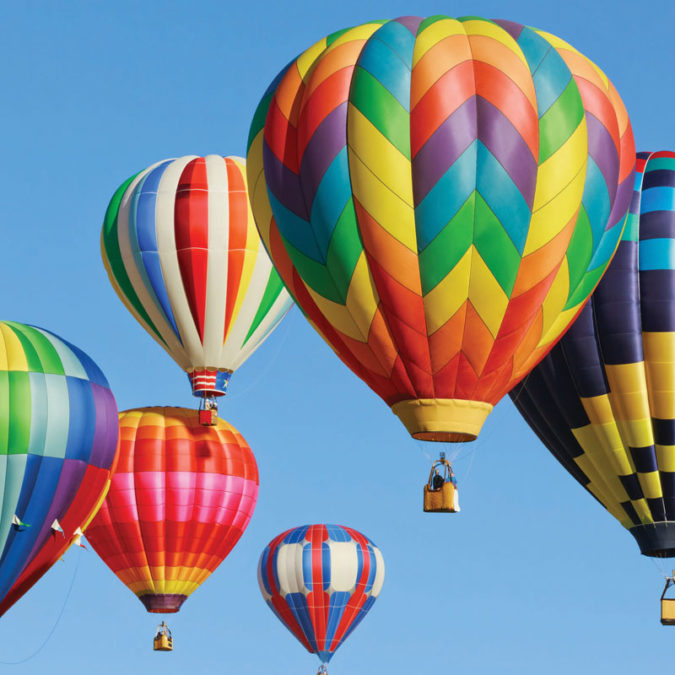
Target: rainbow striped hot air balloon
180, 499
603, 400
441, 196
321, 581
58, 431
183, 254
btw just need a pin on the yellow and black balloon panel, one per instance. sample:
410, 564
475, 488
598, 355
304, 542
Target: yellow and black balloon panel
603, 400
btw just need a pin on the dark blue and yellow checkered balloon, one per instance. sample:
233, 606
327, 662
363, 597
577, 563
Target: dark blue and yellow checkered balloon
603, 400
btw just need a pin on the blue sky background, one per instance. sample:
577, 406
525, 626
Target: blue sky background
533, 576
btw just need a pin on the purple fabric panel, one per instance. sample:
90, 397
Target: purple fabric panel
326, 142
443, 148
616, 304
622, 201
657, 291
104, 445
603, 151
512, 28
70, 479
412, 23
283, 183
161, 604
502, 139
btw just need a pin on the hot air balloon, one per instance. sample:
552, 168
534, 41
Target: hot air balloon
320, 581
603, 400
59, 436
440, 197
183, 254
180, 499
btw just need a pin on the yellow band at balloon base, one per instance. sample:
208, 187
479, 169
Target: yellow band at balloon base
447, 420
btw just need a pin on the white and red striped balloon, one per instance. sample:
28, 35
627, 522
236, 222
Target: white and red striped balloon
183, 254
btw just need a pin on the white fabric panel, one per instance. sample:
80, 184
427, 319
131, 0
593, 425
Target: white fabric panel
289, 569
166, 245
344, 566
379, 573
124, 240
218, 263
233, 353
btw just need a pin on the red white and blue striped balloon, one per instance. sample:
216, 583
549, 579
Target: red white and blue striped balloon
320, 581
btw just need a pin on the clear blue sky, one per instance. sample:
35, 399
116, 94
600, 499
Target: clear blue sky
533, 576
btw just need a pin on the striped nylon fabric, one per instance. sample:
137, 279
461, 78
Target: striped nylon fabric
603, 400
320, 581
58, 440
183, 254
180, 499
441, 196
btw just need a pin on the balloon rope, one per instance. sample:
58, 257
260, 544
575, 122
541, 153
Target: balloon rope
54, 627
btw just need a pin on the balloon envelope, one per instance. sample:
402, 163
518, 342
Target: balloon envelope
183, 254
180, 499
320, 581
603, 400
441, 196
58, 422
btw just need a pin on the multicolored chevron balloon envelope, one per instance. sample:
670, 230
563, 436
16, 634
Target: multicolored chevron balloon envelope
441, 196
180, 499
58, 421
320, 581
603, 400
183, 254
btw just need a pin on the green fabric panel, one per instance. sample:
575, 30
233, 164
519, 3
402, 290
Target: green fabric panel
580, 249
661, 163
449, 245
344, 251
19, 413
259, 118
560, 121
272, 291
331, 280
40, 411
495, 246
114, 255
387, 115
586, 287
43, 356
4, 413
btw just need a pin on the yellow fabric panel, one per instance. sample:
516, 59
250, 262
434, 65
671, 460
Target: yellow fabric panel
555, 41
449, 295
598, 409
651, 485
13, 356
362, 32
434, 33
339, 316
642, 509
611, 505
628, 390
306, 60
659, 355
381, 157
486, 295
560, 187
362, 298
636, 433
559, 326
392, 211
665, 457
602, 443
258, 190
605, 482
